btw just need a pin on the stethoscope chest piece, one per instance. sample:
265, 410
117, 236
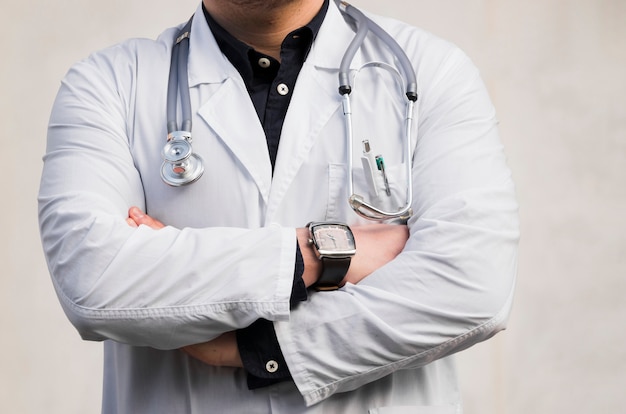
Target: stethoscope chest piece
180, 165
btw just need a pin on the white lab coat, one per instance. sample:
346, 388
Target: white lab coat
227, 256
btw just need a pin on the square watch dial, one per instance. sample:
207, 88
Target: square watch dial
333, 238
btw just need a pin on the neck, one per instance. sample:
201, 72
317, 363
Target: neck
262, 24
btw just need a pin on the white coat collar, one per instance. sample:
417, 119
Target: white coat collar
207, 64
332, 41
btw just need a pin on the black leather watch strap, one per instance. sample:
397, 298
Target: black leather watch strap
333, 272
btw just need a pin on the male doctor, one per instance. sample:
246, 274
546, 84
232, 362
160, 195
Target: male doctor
211, 297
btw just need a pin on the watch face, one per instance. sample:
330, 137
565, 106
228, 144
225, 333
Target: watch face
333, 239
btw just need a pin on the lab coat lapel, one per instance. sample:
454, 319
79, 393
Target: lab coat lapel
315, 100
225, 106
230, 114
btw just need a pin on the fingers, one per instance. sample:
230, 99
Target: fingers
136, 217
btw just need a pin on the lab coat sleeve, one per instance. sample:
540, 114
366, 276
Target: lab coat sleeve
139, 286
452, 285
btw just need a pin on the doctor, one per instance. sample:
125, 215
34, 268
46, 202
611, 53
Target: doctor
213, 300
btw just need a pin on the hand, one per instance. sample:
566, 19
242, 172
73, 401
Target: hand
221, 351
137, 217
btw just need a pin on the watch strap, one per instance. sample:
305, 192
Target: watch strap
334, 269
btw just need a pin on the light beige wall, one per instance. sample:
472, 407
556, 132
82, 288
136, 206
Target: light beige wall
555, 70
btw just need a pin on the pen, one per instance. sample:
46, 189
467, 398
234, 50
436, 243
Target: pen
368, 161
380, 163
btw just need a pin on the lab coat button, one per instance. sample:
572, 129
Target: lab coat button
283, 89
264, 63
271, 366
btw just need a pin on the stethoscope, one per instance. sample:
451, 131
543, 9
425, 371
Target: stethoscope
182, 167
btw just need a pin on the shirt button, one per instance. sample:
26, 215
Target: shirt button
264, 63
282, 89
271, 366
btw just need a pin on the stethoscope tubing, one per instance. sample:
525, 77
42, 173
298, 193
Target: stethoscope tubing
183, 82
178, 83
365, 25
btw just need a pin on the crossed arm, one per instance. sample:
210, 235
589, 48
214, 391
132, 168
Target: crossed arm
377, 245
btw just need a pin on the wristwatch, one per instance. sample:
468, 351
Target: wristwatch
334, 246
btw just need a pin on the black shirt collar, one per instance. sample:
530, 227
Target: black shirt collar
241, 54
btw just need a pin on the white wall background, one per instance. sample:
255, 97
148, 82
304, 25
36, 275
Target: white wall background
556, 71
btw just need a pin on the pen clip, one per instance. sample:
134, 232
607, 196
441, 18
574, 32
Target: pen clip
380, 164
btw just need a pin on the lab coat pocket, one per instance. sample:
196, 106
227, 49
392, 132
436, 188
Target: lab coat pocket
430, 409
337, 207
386, 191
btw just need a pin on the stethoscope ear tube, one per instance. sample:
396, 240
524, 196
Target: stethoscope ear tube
403, 59
183, 79
172, 91
364, 25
